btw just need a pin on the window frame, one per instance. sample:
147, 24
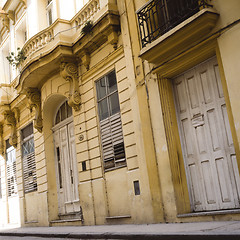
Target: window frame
59, 110
30, 157
107, 96
49, 9
11, 174
115, 117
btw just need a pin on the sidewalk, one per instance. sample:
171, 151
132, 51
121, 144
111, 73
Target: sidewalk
202, 230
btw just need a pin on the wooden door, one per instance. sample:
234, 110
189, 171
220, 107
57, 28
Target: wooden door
67, 174
209, 155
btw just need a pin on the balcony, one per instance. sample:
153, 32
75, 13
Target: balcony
64, 39
168, 27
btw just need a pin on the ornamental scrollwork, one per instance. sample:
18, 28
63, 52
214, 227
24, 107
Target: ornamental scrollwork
69, 72
9, 117
34, 101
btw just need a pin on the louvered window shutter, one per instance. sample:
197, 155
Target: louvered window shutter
112, 142
11, 170
110, 122
29, 165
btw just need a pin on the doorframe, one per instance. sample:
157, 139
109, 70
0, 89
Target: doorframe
171, 125
55, 128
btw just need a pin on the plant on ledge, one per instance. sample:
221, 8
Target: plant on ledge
87, 28
16, 60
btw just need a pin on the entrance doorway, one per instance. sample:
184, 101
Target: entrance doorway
206, 139
65, 159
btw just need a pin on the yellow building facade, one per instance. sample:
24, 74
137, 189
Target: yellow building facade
118, 112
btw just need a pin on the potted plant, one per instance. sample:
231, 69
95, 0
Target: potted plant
16, 60
87, 28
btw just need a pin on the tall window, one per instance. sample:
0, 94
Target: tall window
11, 170
110, 122
28, 156
49, 12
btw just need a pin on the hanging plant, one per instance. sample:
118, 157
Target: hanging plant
16, 60
87, 28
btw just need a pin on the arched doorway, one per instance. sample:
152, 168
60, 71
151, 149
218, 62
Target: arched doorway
65, 161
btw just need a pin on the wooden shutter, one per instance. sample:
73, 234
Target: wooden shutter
29, 165
11, 172
112, 142
29, 173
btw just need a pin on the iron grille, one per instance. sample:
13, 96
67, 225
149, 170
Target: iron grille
159, 16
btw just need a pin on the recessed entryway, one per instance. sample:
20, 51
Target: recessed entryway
206, 139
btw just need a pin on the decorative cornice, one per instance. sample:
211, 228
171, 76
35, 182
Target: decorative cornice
1, 140
34, 101
69, 71
9, 117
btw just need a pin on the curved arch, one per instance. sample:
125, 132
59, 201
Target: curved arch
64, 112
50, 107
60, 150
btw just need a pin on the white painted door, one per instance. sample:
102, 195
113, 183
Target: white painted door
67, 173
209, 155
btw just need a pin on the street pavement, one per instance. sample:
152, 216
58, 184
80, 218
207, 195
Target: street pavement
171, 231
29, 238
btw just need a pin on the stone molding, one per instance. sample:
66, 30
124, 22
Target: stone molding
11, 15
5, 20
86, 59
24, 2
69, 71
34, 101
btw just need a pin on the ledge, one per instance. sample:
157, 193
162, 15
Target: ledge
212, 213
178, 39
66, 220
118, 217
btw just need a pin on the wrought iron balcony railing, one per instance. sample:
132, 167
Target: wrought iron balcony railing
159, 16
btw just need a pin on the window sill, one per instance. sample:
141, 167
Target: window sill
118, 217
115, 168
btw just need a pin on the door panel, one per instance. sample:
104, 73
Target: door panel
206, 139
73, 167
68, 195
